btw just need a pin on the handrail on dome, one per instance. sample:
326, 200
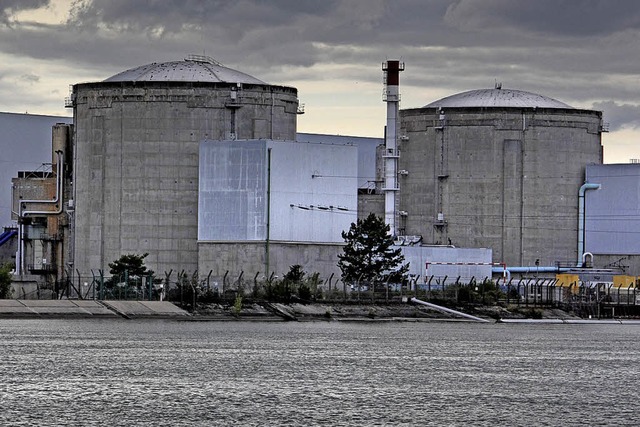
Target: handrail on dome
202, 58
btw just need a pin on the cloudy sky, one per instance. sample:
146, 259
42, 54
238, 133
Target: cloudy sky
582, 52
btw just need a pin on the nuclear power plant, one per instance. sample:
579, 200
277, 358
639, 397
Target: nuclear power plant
201, 167
497, 168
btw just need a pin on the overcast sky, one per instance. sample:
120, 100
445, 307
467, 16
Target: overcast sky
582, 52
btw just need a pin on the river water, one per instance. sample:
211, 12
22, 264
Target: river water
170, 373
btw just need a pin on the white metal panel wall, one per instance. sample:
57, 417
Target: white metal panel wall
612, 213
313, 191
232, 191
418, 256
320, 181
366, 152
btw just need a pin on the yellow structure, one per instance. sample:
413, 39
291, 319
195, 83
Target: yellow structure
625, 281
566, 280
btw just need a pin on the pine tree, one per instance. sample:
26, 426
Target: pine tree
369, 255
132, 264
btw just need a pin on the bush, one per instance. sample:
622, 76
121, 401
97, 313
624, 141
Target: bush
237, 306
304, 292
6, 291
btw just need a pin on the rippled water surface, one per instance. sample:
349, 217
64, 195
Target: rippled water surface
133, 373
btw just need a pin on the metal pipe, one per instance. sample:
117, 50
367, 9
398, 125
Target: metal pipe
447, 310
584, 258
529, 269
21, 213
268, 225
583, 189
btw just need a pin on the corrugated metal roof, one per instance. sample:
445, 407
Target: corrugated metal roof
193, 69
497, 98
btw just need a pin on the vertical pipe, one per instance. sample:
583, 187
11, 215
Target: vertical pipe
268, 231
583, 189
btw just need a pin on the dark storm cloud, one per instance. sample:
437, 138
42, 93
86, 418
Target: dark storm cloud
174, 16
9, 7
577, 51
259, 32
548, 17
305, 32
619, 116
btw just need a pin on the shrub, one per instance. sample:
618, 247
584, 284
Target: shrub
237, 306
6, 291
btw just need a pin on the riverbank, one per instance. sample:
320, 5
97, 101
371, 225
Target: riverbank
264, 311
366, 312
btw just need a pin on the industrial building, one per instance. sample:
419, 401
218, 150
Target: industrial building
136, 150
201, 167
612, 216
497, 168
43, 209
265, 205
25, 141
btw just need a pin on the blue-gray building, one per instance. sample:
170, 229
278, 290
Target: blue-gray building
612, 215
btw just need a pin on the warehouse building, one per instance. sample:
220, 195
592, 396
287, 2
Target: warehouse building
612, 216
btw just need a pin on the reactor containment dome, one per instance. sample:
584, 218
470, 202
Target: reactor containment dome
137, 137
194, 68
497, 97
497, 168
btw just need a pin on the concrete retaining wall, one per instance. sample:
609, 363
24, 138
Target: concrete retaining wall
88, 309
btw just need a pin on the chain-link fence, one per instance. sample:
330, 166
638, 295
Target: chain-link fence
188, 289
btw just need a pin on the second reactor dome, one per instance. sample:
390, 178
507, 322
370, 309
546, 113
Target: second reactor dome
497, 98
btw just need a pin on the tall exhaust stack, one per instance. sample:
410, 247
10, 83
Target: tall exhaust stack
392, 98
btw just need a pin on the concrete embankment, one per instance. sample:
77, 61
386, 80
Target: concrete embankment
88, 309
574, 321
94, 309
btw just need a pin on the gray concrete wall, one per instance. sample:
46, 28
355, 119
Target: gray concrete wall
249, 258
136, 171
503, 178
370, 204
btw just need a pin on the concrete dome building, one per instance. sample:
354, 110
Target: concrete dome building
497, 168
136, 141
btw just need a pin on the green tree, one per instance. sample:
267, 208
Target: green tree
5, 282
129, 269
369, 254
297, 282
295, 274
132, 264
